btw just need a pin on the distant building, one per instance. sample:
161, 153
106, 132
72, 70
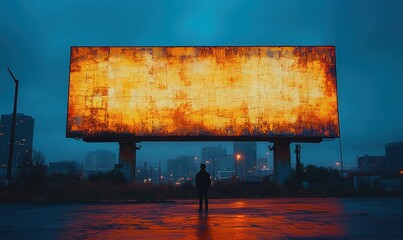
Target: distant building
245, 157
99, 161
225, 166
24, 133
214, 158
211, 154
262, 167
65, 167
155, 174
261, 164
181, 168
376, 164
149, 173
394, 158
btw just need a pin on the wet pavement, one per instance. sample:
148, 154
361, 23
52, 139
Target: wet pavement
280, 218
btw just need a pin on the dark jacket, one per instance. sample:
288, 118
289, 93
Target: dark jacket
203, 181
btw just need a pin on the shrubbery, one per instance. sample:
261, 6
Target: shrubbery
33, 184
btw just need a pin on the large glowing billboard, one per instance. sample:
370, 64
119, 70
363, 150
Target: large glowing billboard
202, 93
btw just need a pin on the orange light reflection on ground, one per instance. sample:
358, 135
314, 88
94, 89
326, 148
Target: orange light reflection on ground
210, 91
257, 219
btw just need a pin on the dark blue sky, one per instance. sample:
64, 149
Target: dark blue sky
36, 37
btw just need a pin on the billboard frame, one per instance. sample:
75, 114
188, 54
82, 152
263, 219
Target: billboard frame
126, 137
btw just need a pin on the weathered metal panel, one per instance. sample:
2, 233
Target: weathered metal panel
202, 93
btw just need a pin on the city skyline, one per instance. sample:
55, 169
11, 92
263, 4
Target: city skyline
24, 134
38, 37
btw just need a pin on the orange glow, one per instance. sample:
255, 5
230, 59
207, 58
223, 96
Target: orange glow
227, 219
203, 91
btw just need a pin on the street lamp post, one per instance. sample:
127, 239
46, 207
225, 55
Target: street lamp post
236, 165
213, 168
12, 137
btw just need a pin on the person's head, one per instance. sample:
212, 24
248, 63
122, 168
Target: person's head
203, 166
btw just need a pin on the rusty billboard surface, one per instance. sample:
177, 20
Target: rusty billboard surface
202, 93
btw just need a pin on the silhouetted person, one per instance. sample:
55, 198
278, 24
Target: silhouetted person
203, 183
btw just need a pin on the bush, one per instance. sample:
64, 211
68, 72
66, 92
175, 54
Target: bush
31, 175
113, 177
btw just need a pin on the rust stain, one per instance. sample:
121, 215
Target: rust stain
214, 91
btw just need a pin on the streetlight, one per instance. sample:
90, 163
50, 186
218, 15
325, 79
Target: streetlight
238, 156
213, 161
12, 137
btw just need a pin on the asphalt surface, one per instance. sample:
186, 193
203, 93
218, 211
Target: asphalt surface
280, 218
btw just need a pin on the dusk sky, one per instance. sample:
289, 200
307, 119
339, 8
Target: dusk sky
36, 37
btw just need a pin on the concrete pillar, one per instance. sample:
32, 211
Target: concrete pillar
127, 159
282, 161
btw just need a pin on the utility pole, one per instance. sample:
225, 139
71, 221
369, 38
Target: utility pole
298, 169
213, 169
151, 174
341, 163
159, 172
145, 172
11, 149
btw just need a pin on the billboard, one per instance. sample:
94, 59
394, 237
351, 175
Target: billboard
202, 93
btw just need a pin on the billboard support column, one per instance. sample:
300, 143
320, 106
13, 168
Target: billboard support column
298, 166
127, 159
282, 161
